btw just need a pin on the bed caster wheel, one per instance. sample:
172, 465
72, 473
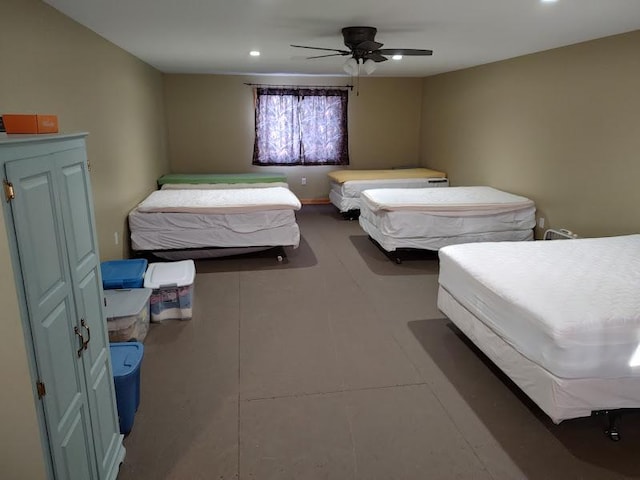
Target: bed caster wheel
398, 261
280, 258
611, 429
613, 434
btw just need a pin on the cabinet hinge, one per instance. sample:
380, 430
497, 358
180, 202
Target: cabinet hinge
88, 164
9, 192
42, 391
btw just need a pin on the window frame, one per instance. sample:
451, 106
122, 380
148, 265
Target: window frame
295, 129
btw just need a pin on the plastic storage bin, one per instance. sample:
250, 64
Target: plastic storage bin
126, 359
127, 313
123, 273
172, 285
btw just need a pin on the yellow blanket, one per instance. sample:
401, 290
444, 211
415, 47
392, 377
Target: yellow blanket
341, 176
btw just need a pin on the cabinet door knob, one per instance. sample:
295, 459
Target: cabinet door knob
84, 324
82, 346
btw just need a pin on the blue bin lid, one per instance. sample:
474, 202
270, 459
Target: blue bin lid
126, 357
118, 272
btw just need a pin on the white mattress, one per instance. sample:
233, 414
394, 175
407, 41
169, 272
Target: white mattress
220, 201
570, 306
346, 196
454, 201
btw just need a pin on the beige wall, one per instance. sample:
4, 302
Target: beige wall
50, 64
211, 125
561, 127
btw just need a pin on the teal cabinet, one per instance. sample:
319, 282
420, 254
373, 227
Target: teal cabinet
49, 213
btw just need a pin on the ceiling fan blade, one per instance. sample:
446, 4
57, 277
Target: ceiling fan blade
375, 56
329, 55
406, 52
342, 52
369, 46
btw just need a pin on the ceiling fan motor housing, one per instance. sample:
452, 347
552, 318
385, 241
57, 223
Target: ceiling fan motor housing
354, 36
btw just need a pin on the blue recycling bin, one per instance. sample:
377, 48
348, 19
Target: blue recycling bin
126, 359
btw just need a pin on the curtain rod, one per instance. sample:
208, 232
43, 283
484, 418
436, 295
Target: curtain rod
297, 87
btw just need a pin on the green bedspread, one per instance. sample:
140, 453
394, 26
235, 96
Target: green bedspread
195, 178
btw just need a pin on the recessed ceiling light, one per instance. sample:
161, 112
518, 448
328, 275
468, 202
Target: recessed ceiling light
396, 57
548, 1
254, 53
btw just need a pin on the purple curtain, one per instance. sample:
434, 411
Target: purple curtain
301, 127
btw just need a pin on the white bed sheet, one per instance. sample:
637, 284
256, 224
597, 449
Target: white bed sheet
434, 218
412, 224
570, 306
343, 204
164, 231
434, 241
560, 398
346, 196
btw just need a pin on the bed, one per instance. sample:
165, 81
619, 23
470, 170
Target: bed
347, 185
431, 218
561, 318
213, 220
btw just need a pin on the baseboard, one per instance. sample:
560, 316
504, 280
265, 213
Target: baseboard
315, 201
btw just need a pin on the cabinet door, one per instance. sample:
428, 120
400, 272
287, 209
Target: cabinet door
50, 302
84, 260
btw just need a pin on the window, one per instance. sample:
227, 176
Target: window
298, 126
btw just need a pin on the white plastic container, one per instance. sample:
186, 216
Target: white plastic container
127, 313
172, 285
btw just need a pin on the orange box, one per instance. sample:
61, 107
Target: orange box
15, 123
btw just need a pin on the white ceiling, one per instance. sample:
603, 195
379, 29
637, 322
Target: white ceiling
215, 36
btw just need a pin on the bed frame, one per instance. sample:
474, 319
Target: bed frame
399, 255
278, 252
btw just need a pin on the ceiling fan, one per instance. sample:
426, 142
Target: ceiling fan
364, 49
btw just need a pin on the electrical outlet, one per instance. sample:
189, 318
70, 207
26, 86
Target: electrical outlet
115, 238
303, 181
541, 222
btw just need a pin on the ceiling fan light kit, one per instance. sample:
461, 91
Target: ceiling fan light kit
351, 67
369, 66
363, 49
